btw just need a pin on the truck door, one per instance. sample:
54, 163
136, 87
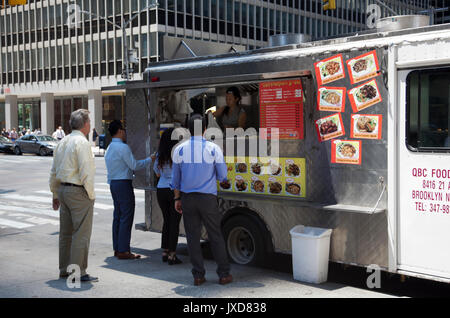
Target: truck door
424, 172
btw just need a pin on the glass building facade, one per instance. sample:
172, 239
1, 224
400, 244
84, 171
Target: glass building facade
37, 46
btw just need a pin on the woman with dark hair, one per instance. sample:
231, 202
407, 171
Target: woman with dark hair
233, 115
165, 196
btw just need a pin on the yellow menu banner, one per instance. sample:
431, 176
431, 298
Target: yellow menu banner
282, 177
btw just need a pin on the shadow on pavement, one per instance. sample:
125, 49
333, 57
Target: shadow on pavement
151, 266
3, 191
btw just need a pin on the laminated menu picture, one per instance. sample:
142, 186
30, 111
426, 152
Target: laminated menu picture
364, 96
363, 67
241, 167
331, 99
241, 184
258, 185
292, 187
330, 127
366, 126
256, 167
274, 168
225, 185
329, 70
275, 185
292, 168
346, 151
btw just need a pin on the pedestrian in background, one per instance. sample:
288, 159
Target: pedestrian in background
120, 164
165, 196
59, 133
195, 189
13, 135
94, 135
72, 184
24, 131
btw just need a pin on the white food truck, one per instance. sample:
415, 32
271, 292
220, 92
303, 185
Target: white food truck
364, 145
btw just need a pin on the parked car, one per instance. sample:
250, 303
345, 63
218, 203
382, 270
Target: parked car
6, 145
39, 144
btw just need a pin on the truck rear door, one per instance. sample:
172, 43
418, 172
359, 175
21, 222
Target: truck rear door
424, 172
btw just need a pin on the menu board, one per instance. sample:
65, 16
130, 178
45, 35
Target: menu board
363, 70
282, 177
281, 106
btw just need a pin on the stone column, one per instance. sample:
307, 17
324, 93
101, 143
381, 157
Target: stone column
95, 107
11, 112
47, 113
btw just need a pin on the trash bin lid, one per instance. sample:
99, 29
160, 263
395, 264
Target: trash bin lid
309, 232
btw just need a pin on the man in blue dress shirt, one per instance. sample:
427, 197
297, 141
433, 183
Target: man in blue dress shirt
197, 165
120, 164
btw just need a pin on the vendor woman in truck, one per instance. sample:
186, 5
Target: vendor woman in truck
232, 115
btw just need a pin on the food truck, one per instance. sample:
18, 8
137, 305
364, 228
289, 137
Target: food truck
363, 145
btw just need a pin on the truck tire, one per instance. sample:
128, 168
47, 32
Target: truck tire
245, 240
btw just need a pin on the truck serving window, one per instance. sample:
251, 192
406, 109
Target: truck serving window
428, 110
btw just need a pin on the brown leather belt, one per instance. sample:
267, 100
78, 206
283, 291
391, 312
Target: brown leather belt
71, 184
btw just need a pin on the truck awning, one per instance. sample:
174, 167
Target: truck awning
208, 81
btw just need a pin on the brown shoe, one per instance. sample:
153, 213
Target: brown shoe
199, 281
127, 255
225, 280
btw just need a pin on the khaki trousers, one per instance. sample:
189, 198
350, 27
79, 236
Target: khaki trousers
76, 215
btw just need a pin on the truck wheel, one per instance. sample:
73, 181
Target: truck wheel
17, 150
244, 239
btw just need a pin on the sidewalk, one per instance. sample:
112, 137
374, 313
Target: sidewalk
26, 273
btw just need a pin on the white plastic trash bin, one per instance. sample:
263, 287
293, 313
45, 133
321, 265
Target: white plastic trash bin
310, 253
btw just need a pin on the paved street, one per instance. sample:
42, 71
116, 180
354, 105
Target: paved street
29, 244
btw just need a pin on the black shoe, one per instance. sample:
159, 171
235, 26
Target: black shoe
173, 261
63, 275
88, 278
165, 258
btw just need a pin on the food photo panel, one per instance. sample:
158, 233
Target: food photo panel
364, 96
330, 127
275, 186
331, 99
346, 151
292, 187
241, 184
329, 70
366, 126
363, 67
257, 168
258, 185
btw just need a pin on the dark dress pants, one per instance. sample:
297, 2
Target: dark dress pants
124, 204
171, 226
198, 209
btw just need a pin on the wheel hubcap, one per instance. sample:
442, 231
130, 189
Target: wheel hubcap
241, 245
